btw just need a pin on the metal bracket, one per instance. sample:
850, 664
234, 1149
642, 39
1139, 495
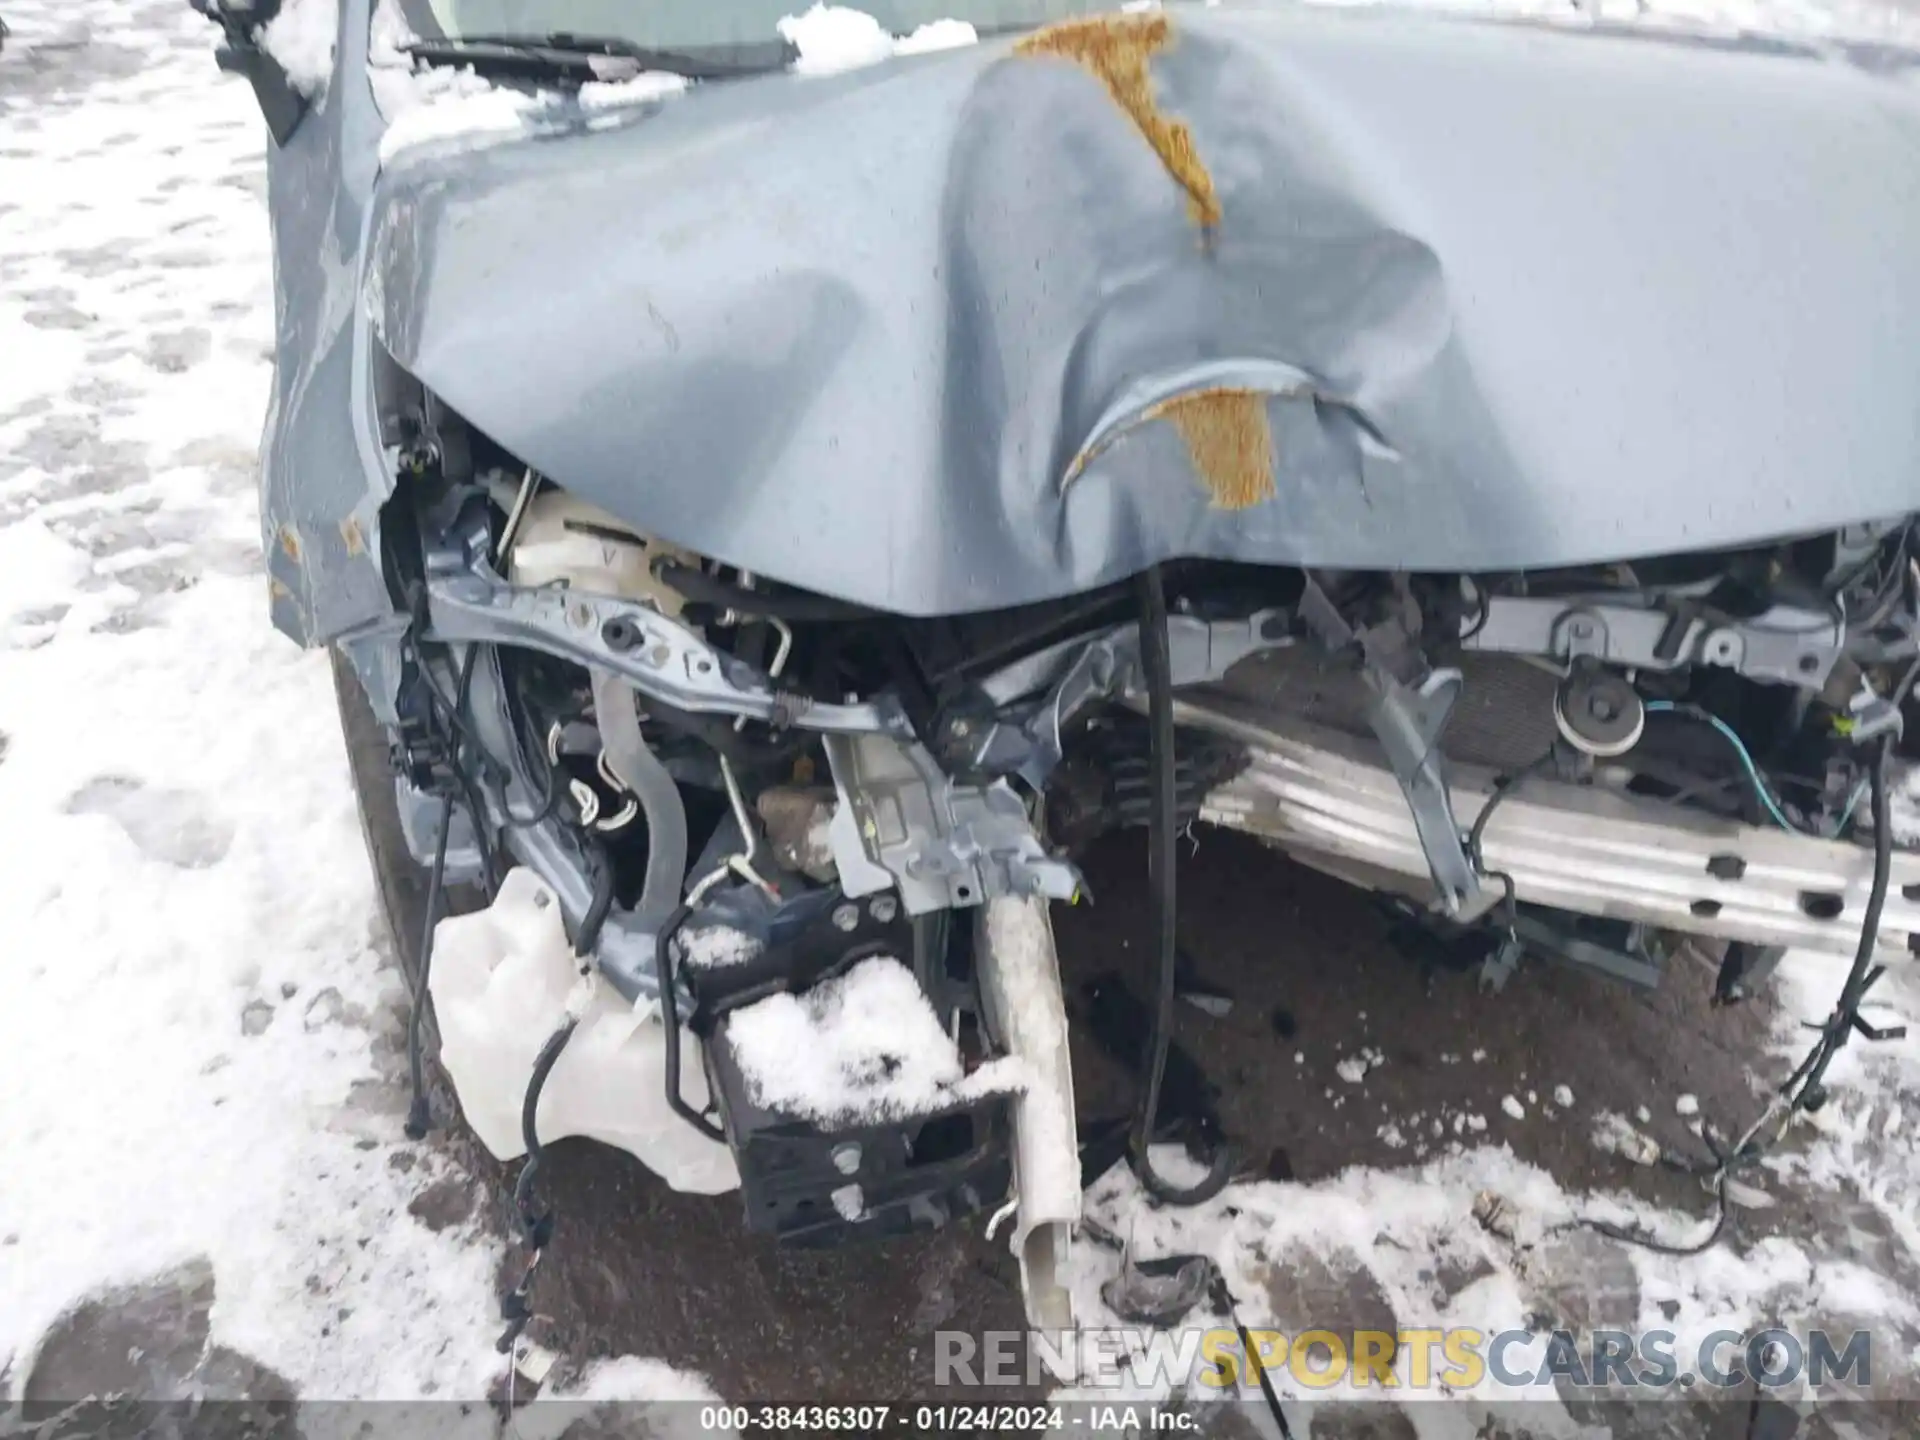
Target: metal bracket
1408, 712
901, 821
1786, 645
657, 656
1076, 673
1409, 723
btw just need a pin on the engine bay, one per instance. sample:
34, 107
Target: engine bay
725, 817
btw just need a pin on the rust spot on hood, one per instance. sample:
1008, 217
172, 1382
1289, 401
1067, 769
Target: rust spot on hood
1114, 49
1229, 441
351, 536
290, 543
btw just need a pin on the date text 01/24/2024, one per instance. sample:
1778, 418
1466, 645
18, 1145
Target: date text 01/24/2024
938, 1419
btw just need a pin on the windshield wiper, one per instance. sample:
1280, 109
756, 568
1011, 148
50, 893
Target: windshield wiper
576, 59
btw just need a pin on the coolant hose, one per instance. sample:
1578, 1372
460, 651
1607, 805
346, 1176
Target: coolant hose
640, 770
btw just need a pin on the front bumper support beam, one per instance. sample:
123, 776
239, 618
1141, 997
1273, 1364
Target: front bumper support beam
1330, 800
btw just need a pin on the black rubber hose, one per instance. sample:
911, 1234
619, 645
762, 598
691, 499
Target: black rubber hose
695, 584
587, 938
670, 1022
537, 1229
718, 734
1156, 664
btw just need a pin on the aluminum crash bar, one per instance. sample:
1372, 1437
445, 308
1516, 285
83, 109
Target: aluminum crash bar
1330, 799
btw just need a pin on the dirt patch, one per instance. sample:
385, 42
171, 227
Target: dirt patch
443, 1204
1114, 49
1431, 1051
636, 1269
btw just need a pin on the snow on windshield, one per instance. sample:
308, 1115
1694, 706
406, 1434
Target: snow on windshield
831, 38
452, 105
428, 105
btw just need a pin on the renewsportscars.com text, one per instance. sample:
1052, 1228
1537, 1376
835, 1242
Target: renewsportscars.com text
1458, 1359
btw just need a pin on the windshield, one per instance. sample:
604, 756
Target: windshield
698, 24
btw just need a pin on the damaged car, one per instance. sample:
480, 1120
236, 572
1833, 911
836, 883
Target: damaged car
769, 516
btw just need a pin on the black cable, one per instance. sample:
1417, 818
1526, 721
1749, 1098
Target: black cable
695, 584
586, 939
454, 712
419, 1114
1482, 616
458, 715
1156, 664
1630, 1236
1503, 786
419, 1117
537, 1229
1224, 1299
550, 786
483, 842
670, 1022
1802, 1090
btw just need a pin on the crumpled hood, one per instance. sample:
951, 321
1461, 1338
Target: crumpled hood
1342, 289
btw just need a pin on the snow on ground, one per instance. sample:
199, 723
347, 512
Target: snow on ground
192, 1011
199, 1033
1477, 1238
1869, 1134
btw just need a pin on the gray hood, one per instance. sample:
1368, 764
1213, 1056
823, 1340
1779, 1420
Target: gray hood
1479, 297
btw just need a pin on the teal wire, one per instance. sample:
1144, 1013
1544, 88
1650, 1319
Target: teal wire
1846, 815
1740, 748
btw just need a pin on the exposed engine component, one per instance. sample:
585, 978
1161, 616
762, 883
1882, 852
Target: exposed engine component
798, 822
1599, 713
553, 537
745, 794
901, 822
